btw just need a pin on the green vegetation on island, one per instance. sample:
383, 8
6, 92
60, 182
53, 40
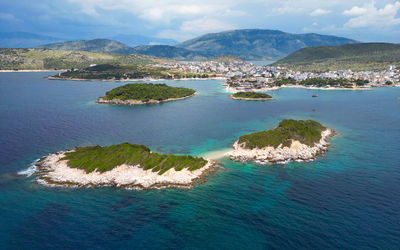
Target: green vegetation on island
251, 95
356, 57
126, 71
106, 158
305, 131
39, 59
147, 91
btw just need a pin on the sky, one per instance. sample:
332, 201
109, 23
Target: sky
366, 21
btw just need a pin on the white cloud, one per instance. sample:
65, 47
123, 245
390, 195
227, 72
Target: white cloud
319, 12
7, 17
370, 16
355, 11
155, 10
189, 29
204, 24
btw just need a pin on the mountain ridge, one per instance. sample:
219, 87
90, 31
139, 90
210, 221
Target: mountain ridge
251, 44
361, 56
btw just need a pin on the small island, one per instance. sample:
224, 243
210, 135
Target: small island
144, 93
291, 140
124, 165
251, 96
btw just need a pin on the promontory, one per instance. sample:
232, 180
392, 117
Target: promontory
144, 93
124, 165
291, 140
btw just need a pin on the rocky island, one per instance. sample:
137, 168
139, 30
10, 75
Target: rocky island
144, 93
124, 165
291, 140
251, 96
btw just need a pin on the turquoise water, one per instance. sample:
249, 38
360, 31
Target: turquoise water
347, 199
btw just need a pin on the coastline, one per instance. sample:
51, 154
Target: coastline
33, 70
138, 102
134, 79
296, 152
234, 90
54, 172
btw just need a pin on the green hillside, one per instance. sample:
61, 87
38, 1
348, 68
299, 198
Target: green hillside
118, 71
169, 52
50, 59
256, 44
95, 45
361, 56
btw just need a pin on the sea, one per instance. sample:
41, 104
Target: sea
348, 198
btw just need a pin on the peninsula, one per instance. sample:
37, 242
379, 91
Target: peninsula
251, 96
144, 93
126, 72
291, 140
124, 165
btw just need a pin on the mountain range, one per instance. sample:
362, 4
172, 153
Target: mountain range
256, 44
30, 40
247, 44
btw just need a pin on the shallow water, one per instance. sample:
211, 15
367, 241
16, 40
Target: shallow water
346, 199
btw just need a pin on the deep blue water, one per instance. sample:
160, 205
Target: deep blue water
348, 199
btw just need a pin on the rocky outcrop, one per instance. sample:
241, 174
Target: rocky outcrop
296, 152
54, 171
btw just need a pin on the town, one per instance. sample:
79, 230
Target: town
244, 76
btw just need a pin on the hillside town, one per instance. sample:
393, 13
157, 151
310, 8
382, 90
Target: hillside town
243, 76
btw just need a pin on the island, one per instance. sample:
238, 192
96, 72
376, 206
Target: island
251, 96
291, 140
124, 165
144, 93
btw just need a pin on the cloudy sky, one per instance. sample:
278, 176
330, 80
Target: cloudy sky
183, 19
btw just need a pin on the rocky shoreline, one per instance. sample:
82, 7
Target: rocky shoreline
296, 152
250, 99
234, 90
134, 79
52, 171
138, 102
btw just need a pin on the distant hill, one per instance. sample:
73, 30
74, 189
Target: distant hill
361, 56
61, 59
95, 45
138, 40
169, 52
227, 59
257, 44
24, 39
